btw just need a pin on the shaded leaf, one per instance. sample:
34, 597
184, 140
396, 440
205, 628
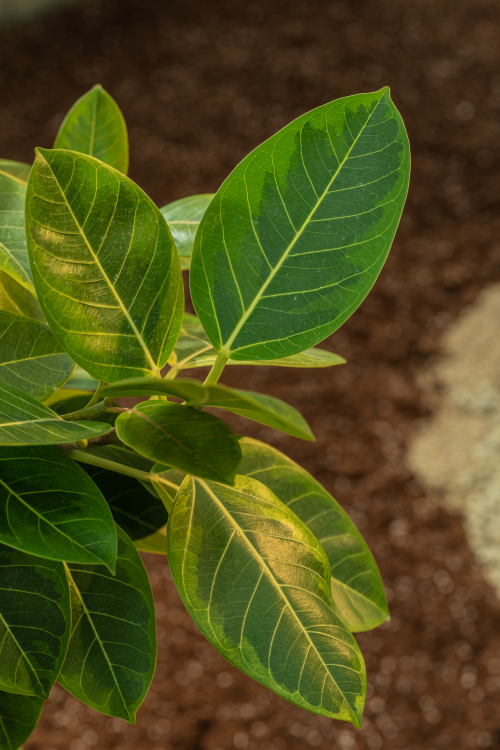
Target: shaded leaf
105, 266
166, 483
35, 621
135, 509
112, 650
182, 438
183, 218
14, 258
193, 349
25, 421
31, 358
81, 380
16, 299
18, 717
95, 126
358, 592
257, 583
264, 409
297, 234
49, 507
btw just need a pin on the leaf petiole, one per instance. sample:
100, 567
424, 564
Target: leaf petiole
86, 457
92, 410
217, 368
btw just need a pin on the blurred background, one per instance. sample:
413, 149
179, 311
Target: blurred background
200, 85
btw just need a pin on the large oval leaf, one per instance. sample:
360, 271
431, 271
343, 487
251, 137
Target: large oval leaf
24, 421
297, 234
49, 507
193, 349
13, 248
257, 583
105, 266
183, 218
182, 438
18, 717
264, 409
16, 299
35, 621
95, 126
31, 358
358, 592
112, 650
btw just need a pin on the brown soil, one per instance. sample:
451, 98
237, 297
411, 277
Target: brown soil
200, 85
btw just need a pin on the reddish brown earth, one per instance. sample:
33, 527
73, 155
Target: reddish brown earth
201, 84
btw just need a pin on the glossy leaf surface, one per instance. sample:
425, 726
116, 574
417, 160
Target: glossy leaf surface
264, 409
105, 266
31, 358
257, 583
112, 651
18, 717
182, 438
16, 299
35, 621
357, 588
95, 126
138, 511
25, 421
183, 218
13, 248
193, 349
49, 507
297, 234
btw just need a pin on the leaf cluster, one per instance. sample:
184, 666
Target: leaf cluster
271, 569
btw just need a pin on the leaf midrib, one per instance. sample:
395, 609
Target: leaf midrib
227, 347
270, 576
22, 652
154, 367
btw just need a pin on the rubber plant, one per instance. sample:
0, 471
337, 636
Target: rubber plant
269, 566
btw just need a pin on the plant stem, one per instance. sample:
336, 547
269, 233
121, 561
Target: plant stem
86, 457
90, 411
95, 398
217, 368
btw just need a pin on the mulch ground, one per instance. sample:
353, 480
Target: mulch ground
201, 84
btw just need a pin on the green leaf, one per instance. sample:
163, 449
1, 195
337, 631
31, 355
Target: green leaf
182, 438
81, 380
264, 409
14, 258
135, 509
95, 126
166, 483
357, 588
18, 717
16, 299
193, 349
112, 650
35, 621
49, 507
183, 218
297, 234
31, 358
24, 421
257, 583
105, 266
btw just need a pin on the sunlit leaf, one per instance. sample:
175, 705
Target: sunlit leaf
15, 298
358, 592
297, 234
13, 249
35, 621
105, 266
182, 438
95, 126
24, 421
112, 650
183, 218
257, 583
49, 507
31, 358
193, 349
264, 409
135, 509
18, 717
